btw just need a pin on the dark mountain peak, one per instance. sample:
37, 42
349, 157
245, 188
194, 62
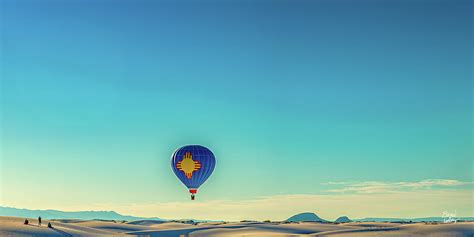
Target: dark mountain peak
343, 219
306, 216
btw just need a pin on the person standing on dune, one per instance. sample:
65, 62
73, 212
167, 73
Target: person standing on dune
39, 220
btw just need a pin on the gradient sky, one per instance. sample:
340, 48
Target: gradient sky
293, 97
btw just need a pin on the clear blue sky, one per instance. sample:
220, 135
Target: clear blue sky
95, 96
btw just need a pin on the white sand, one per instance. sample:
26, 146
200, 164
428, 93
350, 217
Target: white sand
412, 230
13, 226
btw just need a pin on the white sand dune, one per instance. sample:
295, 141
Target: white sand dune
371, 224
264, 229
247, 229
13, 226
113, 227
412, 230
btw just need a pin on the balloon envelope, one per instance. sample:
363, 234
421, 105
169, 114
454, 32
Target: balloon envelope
193, 164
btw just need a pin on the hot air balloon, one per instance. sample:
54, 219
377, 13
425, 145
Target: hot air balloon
193, 164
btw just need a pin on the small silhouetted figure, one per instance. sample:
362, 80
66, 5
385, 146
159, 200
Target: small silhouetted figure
39, 220
49, 225
192, 196
26, 222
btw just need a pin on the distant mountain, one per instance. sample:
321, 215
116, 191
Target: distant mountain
343, 219
82, 215
422, 219
309, 216
306, 216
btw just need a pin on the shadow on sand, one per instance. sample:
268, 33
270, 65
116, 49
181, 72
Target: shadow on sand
38, 226
61, 232
52, 228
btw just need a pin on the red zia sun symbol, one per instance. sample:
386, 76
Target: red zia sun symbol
188, 165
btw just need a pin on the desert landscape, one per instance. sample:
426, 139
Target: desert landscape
14, 226
264, 118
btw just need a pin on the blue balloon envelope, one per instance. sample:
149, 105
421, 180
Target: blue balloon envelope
193, 164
